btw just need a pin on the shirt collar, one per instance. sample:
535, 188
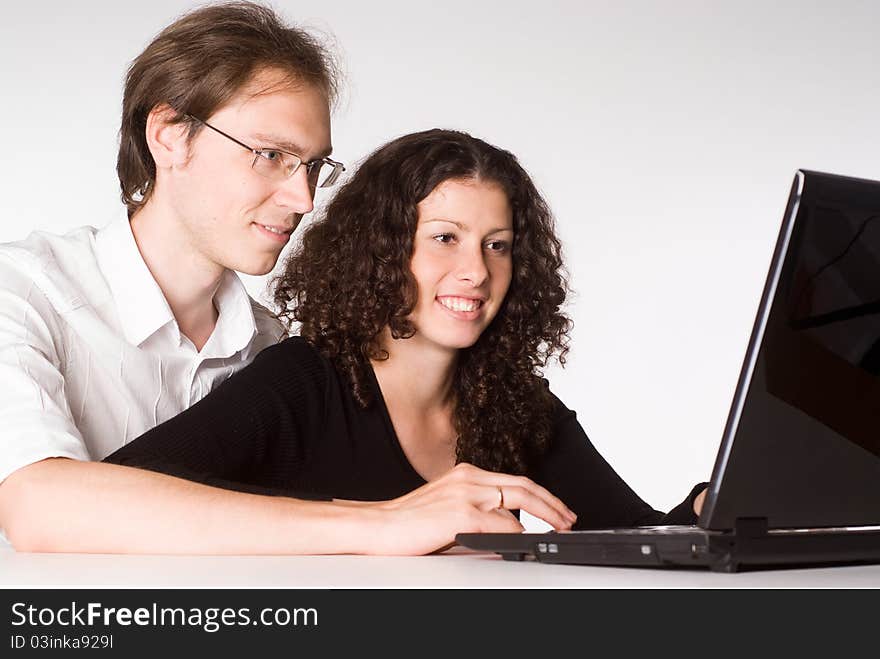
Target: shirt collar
142, 307
140, 304
236, 326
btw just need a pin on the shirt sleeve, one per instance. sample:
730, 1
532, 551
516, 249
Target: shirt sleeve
248, 434
34, 413
575, 472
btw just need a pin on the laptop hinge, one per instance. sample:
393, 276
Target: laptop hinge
750, 527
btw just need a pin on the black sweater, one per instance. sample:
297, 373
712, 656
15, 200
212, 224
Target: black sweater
288, 424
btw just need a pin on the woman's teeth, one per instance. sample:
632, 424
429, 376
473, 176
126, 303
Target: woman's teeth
460, 303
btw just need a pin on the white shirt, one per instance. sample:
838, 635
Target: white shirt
90, 353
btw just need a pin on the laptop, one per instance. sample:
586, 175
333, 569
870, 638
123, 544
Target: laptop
796, 480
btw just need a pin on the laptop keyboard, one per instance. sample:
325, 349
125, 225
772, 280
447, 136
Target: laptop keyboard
647, 530
684, 530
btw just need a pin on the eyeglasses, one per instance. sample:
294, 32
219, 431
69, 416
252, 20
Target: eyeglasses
278, 165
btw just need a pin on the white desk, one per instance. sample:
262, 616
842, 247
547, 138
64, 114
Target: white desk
457, 568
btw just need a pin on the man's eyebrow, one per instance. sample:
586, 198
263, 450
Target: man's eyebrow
292, 147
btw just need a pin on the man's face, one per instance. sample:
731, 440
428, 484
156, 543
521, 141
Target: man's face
229, 213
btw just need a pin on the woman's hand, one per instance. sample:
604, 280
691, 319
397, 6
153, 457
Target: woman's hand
465, 499
698, 502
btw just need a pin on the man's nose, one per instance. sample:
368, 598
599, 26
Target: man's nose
296, 192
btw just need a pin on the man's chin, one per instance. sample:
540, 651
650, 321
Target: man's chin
257, 269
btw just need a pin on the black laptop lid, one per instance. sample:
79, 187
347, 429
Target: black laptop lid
802, 442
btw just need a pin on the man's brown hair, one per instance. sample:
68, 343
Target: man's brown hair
196, 65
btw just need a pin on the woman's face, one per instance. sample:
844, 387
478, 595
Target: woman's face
461, 261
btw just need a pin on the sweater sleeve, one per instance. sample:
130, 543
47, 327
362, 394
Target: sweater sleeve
250, 434
574, 471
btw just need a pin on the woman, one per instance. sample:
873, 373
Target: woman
428, 298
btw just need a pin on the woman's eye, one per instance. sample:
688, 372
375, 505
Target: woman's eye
498, 246
444, 238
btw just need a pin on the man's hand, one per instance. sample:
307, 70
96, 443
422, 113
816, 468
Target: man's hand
465, 499
70, 506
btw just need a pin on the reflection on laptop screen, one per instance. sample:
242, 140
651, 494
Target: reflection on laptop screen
832, 333
808, 438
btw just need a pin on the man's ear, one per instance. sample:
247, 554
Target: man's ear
167, 139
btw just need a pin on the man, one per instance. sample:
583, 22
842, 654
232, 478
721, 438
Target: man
105, 333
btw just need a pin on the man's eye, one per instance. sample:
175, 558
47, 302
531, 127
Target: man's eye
444, 238
270, 155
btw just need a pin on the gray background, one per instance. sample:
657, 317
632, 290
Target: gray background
664, 134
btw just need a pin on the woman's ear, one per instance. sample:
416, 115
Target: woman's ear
167, 139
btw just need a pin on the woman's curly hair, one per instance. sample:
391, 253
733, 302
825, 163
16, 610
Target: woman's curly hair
350, 278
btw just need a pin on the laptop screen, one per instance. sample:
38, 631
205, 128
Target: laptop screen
802, 444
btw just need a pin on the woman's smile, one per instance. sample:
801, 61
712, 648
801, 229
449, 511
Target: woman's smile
462, 308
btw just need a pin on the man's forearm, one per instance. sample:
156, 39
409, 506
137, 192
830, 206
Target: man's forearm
61, 505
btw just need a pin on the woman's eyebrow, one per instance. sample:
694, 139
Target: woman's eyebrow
440, 219
464, 228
